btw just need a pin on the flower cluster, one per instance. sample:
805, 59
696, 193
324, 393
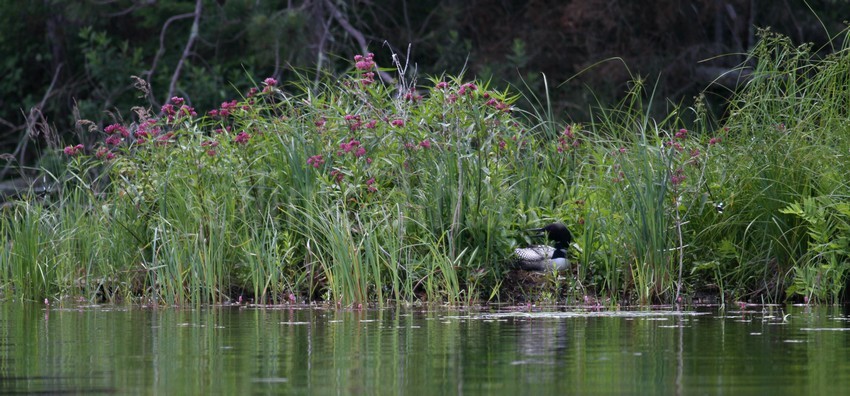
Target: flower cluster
177, 109
467, 89
677, 177
225, 109
74, 150
568, 140
269, 84
353, 146
104, 153
316, 161
353, 120
115, 134
210, 145
146, 130
364, 63
242, 138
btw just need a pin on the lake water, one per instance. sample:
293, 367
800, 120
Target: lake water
281, 350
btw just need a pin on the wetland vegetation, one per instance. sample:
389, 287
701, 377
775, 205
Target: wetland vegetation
356, 191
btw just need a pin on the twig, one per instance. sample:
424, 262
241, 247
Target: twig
358, 36
186, 51
149, 73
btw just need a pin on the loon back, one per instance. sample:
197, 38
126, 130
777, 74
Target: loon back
541, 258
546, 258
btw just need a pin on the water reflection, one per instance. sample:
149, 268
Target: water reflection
230, 350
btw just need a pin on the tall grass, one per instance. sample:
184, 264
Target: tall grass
356, 192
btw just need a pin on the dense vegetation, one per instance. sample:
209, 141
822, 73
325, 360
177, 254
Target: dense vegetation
69, 59
352, 190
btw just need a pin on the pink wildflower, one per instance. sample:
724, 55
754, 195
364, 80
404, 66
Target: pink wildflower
470, 87
360, 152
713, 141
370, 185
682, 133
270, 81
364, 62
442, 85
73, 150
242, 137
397, 122
426, 144
316, 161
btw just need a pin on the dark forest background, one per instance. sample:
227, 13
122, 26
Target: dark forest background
64, 60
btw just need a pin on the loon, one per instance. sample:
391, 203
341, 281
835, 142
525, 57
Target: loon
544, 257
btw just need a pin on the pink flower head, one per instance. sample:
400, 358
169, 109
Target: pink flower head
360, 152
337, 175
397, 122
242, 137
442, 85
372, 124
113, 140
675, 145
370, 185
364, 62
178, 101
682, 133
321, 122
713, 141
348, 147
270, 81
412, 97
426, 144
168, 109
73, 150
677, 177
116, 129
467, 88
315, 161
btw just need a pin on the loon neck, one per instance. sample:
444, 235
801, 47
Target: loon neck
559, 252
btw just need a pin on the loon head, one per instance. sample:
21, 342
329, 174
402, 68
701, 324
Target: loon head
555, 232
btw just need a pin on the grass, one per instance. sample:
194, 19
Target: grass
356, 192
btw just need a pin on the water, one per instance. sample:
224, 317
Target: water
228, 350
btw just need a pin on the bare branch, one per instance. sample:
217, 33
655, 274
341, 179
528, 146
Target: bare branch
149, 73
186, 51
358, 36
